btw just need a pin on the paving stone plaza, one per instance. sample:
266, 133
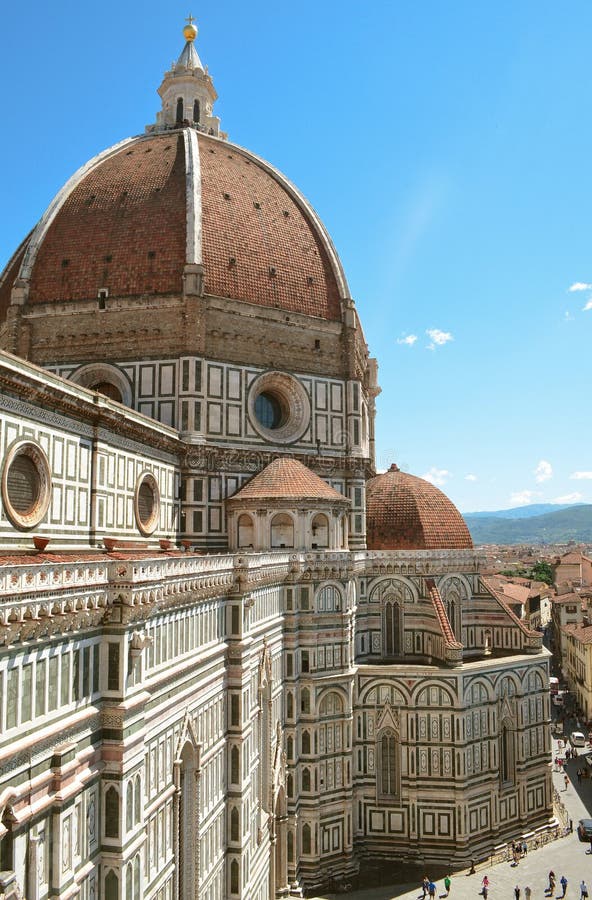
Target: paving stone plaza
565, 856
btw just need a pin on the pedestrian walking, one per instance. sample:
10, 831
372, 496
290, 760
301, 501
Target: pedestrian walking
566, 780
524, 848
527, 892
447, 883
583, 890
432, 890
551, 887
425, 886
485, 886
516, 893
563, 883
579, 776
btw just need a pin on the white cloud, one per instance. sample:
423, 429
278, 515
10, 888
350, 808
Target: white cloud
568, 316
438, 338
409, 339
587, 305
437, 476
568, 498
580, 286
522, 498
470, 478
581, 476
543, 471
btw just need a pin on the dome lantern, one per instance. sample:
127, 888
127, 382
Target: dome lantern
187, 91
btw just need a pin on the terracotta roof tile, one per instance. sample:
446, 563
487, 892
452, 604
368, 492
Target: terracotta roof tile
250, 217
129, 205
287, 478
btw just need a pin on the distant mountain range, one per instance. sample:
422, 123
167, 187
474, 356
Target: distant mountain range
539, 523
522, 512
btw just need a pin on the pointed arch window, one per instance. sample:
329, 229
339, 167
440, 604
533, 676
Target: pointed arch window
234, 824
196, 111
507, 761
388, 764
306, 839
111, 813
393, 628
306, 779
179, 112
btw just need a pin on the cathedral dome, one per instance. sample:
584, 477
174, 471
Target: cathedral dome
404, 512
130, 222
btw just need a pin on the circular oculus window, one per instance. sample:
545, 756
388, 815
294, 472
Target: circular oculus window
279, 408
147, 503
26, 484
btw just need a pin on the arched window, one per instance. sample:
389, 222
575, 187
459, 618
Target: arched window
129, 879
179, 114
111, 813
111, 886
246, 531
305, 700
306, 839
137, 877
138, 801
282, 531
306, 779
289, 705
129, 806
393, 628
453, 607
320, 532
388, 768
328, 599
234, 824
506, 754
290, 847
290, 748
196, 111
234, 765
343, 532
234, 873
306, 742
290, 785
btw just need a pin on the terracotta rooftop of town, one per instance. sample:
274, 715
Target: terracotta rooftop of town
287, 478
404, 512
120, 225
582, 633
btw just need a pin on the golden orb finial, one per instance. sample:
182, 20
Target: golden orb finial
190, 30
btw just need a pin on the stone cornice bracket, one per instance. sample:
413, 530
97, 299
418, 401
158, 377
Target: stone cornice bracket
20, 292
193, 280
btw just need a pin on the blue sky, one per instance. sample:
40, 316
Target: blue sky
446, 146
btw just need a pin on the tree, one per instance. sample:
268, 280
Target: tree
542, 571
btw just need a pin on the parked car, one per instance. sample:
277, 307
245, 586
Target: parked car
577, 739
585, 829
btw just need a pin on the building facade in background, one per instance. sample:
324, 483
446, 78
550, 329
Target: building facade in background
234, 661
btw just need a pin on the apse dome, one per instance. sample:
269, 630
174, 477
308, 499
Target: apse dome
404, 512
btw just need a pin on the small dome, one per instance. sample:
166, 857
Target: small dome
404, 512
288, 479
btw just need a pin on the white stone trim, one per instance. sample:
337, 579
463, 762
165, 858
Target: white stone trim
193, 197
58, 201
